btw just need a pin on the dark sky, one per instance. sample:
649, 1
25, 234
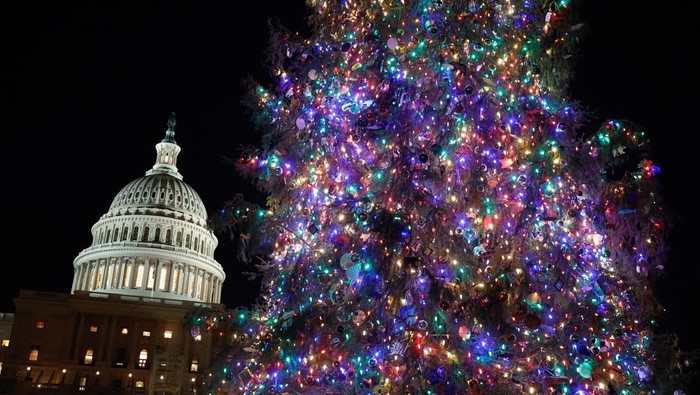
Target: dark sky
86, 89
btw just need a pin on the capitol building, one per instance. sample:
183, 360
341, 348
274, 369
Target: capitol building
124, 326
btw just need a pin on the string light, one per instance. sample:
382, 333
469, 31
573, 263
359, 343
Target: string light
438, 220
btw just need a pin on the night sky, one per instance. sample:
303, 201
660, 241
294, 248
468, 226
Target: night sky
86, 89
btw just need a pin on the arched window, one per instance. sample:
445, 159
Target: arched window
126, 282
190, 286
168, 237
125, 234
150, 284
200, 285
100, 269
91, 277
156, 238
140, 274
163, 277
134, 233
146, 232
176, 279
112, 277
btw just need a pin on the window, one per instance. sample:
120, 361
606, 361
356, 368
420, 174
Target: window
176, 279
40, 324
34, 353
93, 328
194, 366
163, 278
139, 384
5, 343
121, 357
99, 275
111, 276
146, 333
150, 283
168, 334
87, 360
125, 331
91, 278
190, 289
143, 358
140, 273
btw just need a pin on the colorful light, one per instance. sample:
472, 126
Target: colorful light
437, 221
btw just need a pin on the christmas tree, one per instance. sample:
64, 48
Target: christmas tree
439, 218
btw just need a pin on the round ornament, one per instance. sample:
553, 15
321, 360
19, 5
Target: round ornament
532, 321
392, 43
358, 317
346, 261
585, 369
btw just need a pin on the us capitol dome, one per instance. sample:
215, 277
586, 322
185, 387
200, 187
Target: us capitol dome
153, 241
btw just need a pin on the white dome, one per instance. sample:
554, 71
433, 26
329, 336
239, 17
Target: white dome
159, 191
154, 240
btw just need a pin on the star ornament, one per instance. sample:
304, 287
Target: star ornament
507, 163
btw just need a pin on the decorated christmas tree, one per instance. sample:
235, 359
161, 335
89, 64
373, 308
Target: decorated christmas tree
439, 218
